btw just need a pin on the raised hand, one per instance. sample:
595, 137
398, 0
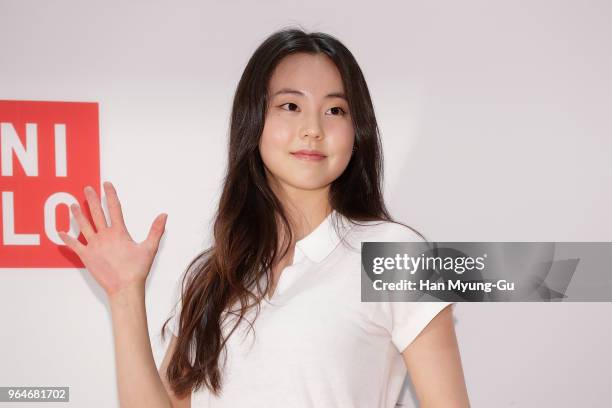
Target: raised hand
113, 258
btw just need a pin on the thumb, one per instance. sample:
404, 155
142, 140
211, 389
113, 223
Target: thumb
156, 231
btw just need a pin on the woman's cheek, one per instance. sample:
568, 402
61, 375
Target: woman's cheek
277, 135
342, 143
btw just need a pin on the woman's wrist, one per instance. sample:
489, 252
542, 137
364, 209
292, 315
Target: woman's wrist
127, 295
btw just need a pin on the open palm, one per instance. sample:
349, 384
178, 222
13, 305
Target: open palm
113, 258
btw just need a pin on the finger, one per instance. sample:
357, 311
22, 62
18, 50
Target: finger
72, 243
83, 222
114, 206
95, 208
156, 231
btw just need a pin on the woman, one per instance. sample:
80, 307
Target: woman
271, 314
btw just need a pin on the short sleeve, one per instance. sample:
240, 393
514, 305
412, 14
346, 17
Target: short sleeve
405, 320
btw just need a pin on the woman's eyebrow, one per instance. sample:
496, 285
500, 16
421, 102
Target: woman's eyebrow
296, 92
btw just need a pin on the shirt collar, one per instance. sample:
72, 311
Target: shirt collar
317, 245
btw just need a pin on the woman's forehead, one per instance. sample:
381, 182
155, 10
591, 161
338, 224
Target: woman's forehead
308, 74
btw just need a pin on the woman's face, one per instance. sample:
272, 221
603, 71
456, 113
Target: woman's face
307, 111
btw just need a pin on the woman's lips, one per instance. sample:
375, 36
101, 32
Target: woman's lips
308, 156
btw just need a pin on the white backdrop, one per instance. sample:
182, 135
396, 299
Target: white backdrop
495, 126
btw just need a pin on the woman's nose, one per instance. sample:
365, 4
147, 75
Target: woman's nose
312, 135
312, 129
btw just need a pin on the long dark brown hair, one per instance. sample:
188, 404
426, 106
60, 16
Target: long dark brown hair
246, 227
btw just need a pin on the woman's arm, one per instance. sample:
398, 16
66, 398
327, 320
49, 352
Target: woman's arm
434, 364
121, 266
138, 380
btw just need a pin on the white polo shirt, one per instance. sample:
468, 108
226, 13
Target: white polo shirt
316, 344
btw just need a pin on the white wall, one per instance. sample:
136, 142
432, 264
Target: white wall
495, 125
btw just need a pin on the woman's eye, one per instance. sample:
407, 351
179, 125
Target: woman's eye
289, 103
336, 111
340, 109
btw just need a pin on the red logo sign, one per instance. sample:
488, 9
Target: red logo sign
49, 151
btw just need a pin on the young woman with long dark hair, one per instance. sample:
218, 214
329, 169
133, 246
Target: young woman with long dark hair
271, 314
